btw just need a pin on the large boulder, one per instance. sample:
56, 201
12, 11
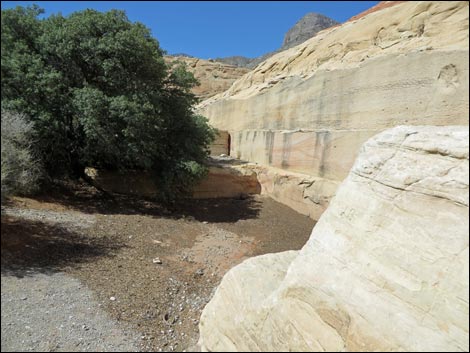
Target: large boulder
386, 267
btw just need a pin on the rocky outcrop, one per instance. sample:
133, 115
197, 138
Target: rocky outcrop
136, 183
230, 178
303, 193
385, 268
226, 178
213, 77
309, 109
237, 60
306, 28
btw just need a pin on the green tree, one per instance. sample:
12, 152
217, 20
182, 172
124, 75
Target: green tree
100, 94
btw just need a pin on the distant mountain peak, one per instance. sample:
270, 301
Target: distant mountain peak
305, 28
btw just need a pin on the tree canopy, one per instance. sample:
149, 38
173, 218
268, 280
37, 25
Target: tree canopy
99, 93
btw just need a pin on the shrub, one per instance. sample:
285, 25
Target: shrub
100, 94
20, 168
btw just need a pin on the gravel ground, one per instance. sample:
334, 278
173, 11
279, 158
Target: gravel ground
55, 312
102, 273
69, 220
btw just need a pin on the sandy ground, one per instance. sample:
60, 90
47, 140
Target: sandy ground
113, 273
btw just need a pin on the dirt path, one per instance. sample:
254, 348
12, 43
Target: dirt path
55, 312
151, 270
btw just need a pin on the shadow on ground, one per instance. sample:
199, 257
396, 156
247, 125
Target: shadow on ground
85, 198
30, 246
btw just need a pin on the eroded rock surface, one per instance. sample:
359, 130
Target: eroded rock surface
385, 268
309, 109
214, 77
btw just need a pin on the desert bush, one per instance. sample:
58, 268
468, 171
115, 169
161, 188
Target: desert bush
20, 168
100, 94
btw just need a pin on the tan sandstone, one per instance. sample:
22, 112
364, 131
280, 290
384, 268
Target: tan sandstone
310, 108
223, 180
221, 144
214, 77
385, 269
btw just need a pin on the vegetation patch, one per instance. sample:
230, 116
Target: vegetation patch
99, 93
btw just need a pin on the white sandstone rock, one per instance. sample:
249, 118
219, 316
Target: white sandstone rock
385, 269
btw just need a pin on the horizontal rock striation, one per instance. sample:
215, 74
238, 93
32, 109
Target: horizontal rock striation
227, 181
309, 109
385, 268
223, 180
221, 144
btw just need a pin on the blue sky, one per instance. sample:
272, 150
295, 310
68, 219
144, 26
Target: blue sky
210, 29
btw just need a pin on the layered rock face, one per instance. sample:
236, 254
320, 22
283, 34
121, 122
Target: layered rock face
227, 182
221, 144
309, 109
385, 269
225, 179
213, 77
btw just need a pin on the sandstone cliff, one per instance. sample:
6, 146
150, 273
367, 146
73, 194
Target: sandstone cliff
385, 269
308, 109
213, 77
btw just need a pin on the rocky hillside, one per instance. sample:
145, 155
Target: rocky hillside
213, 77
308, 109
217, 75
385, 269
307, 27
